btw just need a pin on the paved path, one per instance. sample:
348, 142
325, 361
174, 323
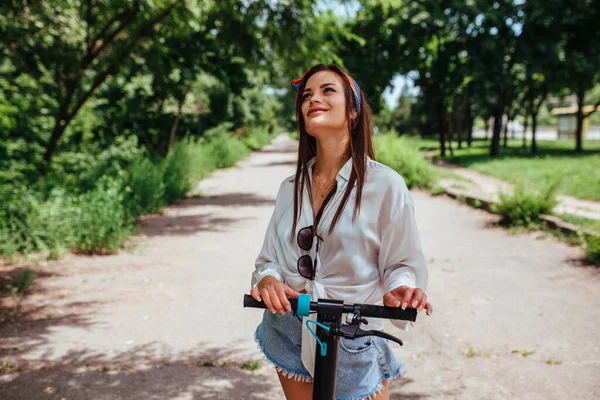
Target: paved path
516, 316
487, 187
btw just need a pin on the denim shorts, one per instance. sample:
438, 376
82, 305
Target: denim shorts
363, 363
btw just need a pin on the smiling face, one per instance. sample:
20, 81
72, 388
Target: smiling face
324, 105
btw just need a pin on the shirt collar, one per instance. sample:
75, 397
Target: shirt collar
344, 172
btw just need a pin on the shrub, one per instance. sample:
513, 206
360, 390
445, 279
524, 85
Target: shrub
143, 189
177, 170
20, 227
226, 150
257, 138
97, 219
202, 161
397, 153
523, 207
592, 249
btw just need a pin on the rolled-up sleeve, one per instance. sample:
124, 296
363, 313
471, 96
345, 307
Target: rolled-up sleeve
401, 258
266, 262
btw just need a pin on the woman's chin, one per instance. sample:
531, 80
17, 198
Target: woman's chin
319, 130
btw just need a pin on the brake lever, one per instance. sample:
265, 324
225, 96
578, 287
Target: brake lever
353, 331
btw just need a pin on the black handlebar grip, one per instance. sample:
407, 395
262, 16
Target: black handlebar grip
367, 310
249, 301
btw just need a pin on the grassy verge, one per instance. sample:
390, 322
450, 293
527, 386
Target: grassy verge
556, 169
579, 174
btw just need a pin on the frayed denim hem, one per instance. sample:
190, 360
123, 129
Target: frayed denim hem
295, 375
378, 389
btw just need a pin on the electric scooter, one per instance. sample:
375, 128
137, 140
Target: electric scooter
330, 328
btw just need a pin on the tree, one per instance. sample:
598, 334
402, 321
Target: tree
80, 51
538, 51
492, 58
581, 54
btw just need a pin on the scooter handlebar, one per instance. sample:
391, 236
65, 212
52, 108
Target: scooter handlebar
366, 310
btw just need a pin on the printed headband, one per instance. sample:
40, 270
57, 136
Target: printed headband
353, 85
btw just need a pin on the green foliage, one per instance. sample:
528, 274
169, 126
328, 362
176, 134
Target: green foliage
98, 216
177, 170
225, 150
144, 188
592, 249
398, 154
97, 219
257, 138
522, 207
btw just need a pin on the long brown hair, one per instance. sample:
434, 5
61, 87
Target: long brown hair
360, 146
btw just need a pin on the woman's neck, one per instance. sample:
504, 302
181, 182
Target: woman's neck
331, 155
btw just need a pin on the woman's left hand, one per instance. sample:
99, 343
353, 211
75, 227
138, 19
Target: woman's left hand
403, 296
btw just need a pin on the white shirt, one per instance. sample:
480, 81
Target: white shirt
359, 261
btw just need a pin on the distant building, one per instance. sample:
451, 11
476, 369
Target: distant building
566, 121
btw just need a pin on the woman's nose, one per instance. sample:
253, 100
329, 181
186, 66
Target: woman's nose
315, 99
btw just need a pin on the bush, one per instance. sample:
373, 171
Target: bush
143, 189
592, 249
202, 162
177, 171
226, 150
90, 203
523, 207
21, 229
257, 138
97, 219
80, 171
399, 154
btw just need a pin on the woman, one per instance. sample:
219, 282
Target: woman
343, 228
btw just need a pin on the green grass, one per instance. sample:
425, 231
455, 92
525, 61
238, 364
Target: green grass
579, 173
587, 224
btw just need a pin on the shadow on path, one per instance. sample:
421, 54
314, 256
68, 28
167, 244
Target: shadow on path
81, 375
291, 163
279, 149
24, 330
226, 200
398, 391
186, 225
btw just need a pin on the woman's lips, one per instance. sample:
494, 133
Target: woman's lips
317, 111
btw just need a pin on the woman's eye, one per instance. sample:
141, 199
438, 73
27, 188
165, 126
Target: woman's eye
305, 96
328, 88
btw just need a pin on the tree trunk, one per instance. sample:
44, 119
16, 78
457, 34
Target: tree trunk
450, 130
442, 126
495, 145
506, 133
534, 148
469, 124
177, 118
525, 128
59, 128
580, 104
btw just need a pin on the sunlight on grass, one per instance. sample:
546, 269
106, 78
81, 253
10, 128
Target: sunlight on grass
579, 173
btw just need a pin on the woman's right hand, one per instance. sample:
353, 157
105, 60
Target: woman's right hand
274, 293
